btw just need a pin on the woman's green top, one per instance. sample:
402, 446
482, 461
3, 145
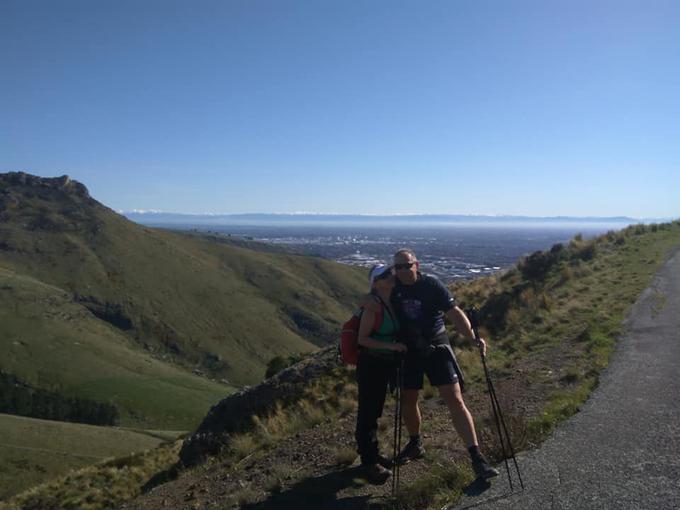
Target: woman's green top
387, 332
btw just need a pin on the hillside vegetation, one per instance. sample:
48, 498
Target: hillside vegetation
552, 323
30, 449
160, 323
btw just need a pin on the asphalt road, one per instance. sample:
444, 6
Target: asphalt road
622, 451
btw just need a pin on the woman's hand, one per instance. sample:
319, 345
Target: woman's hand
399, 347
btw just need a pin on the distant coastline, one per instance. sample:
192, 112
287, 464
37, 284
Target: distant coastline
168, 218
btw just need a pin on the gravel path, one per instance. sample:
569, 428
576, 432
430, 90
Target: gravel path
622, 451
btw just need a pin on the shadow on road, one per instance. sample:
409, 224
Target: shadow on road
477, 487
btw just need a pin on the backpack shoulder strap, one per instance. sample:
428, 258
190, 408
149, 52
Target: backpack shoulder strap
383, 307
378, 318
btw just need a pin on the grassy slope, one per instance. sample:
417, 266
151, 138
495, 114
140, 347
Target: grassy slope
193, 300
548, 345
195, 304
34, 450
550, 338
182, 303
55, 343
573, 315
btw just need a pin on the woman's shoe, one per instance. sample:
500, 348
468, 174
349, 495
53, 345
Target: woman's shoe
385, 462
376, 474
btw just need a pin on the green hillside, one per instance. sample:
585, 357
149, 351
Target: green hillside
100, 307
55, 343
34, 450
551, 321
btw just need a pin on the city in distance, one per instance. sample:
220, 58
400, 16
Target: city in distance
451, 247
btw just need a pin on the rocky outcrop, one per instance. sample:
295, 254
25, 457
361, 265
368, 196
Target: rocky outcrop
234, 413
64, 182
112, 313
47, 204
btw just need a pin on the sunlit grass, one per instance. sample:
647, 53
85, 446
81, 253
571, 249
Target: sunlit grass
104, 485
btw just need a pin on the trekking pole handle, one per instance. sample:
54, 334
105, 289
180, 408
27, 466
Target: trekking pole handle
474, 325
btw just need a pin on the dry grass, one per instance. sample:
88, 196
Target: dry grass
242, 445
105, 485
345, 455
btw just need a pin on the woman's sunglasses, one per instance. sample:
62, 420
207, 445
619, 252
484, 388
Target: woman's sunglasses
384, 276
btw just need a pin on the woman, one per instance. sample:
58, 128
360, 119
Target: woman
375, 367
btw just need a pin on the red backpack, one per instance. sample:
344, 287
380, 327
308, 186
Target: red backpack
349, 335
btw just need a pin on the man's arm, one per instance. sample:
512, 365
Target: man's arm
463, 326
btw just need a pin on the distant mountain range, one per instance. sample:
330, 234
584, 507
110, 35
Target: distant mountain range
159, 217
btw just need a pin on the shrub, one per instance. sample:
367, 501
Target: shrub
537, 265
557, 249
278, 363
639, 229
566, 275
18, 397
587, 251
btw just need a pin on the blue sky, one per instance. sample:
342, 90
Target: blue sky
464, 107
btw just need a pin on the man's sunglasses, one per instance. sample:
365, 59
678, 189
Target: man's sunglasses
406, 265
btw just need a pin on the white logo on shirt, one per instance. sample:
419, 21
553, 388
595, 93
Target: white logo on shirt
412, 308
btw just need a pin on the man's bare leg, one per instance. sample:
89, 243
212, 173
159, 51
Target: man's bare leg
465, 426
411, 411
460, 416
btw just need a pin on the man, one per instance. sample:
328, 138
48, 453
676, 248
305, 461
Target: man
421, 302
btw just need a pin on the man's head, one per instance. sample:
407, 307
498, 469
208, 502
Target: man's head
406, 266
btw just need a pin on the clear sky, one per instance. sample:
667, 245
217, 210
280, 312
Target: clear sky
383, 106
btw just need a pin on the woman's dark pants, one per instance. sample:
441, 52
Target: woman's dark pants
373, 376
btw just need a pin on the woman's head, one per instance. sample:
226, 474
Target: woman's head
380, 277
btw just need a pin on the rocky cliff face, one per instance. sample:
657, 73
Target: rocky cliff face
45, 203
234, 413
63, 183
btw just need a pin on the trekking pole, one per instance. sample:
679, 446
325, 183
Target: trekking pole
397, 430
495, 405
401, 386
394, 435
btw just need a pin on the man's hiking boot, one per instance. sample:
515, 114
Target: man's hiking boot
385, 462
483, 469
376, 474
413, 450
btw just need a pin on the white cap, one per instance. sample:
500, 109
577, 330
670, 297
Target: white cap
378, 270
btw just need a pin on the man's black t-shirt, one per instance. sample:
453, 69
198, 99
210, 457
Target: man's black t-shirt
421, 307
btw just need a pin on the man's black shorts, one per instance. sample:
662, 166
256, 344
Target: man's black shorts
437, 362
